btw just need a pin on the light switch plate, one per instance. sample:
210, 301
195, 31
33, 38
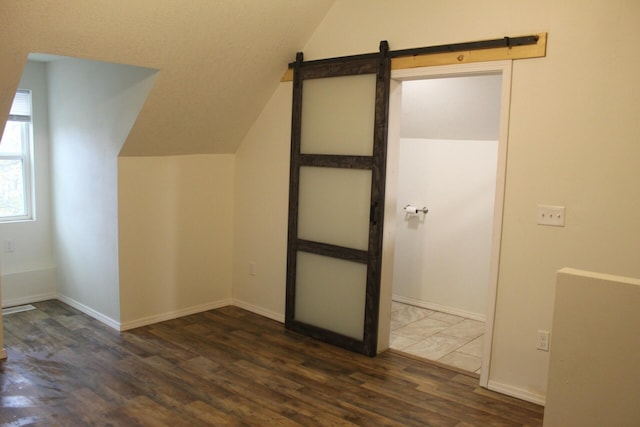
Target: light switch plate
551, 215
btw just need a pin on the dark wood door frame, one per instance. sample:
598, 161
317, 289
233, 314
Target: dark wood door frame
380, 65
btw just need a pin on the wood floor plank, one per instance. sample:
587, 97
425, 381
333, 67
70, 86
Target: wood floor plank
225, 367
211, 416
315, 396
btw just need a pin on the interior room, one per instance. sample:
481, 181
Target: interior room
448, 157
161, 151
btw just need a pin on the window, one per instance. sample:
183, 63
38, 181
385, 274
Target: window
15, 161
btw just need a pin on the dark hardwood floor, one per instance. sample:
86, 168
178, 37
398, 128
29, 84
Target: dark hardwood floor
226, 367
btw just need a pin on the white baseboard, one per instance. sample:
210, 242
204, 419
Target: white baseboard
89, 311
278, 317
437, 307
38, 283
173, 314
518, 393
259, 310
29, 299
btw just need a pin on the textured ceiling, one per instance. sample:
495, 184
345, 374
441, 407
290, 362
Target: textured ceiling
219, 60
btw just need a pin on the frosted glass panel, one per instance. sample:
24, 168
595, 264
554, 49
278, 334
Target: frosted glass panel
330, 294
338, 115
334, 206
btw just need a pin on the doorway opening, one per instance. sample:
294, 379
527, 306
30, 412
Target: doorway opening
446, 173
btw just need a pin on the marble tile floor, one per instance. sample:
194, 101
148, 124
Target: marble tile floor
445, 338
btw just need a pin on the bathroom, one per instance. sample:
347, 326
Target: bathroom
445, 216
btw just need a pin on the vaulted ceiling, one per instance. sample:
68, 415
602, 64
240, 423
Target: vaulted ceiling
219, 60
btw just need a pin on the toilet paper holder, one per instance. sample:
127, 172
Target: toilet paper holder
415, 210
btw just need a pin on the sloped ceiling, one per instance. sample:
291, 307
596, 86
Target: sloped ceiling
219, 60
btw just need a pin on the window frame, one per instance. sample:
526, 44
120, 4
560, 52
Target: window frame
26, 158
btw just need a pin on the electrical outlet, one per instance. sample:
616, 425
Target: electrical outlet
252, 268
551, 215
543, 340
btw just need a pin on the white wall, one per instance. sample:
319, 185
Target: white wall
594, 378
261, 209
176, 229
461, 107
93, 106
573, 128
28, 273
442, 258
139, 239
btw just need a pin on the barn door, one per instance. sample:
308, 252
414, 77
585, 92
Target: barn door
336, 197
